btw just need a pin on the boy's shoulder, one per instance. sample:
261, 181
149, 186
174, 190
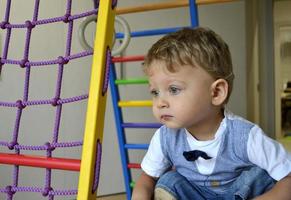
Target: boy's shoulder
232, 118
239, 127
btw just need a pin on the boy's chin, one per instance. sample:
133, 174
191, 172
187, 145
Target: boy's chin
174, 126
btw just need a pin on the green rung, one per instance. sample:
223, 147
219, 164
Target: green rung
132, 184
131, 81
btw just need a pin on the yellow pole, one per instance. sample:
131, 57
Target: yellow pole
96, 102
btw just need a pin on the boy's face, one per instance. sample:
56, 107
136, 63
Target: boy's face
181, 99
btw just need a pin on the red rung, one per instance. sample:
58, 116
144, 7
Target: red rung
133, 165
40, 161
128, 58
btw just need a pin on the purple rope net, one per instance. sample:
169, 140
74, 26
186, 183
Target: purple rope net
47, 190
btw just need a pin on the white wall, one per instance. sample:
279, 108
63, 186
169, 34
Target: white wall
282, 69
282, 25
49, 42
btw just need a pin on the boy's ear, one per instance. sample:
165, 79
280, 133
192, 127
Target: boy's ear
219, 91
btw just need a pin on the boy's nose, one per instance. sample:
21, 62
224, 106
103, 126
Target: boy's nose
162, 103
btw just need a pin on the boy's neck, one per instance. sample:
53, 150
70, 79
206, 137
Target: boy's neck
207, 129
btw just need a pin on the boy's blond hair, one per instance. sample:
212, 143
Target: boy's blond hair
198, 46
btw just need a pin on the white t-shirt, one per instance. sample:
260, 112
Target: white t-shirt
262, 151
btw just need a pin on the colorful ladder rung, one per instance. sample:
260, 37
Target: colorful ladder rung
151, 32
136, 146
146, 103
133, 165
128, 59
141, 125
131, 81
40, 161
151, 7
132, 184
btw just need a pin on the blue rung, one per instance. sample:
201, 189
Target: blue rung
150, 32
136, 146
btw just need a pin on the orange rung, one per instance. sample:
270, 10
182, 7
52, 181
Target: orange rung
133, 165
165, 5
128, 58
40, 161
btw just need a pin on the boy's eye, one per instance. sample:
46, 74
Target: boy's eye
174, 90
154, 93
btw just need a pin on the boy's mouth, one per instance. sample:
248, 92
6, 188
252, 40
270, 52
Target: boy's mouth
166, 117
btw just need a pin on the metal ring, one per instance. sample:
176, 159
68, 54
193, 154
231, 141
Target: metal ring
81, 32
118, 19
126, 37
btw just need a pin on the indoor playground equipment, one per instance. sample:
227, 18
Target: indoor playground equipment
89, 164
115, 82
